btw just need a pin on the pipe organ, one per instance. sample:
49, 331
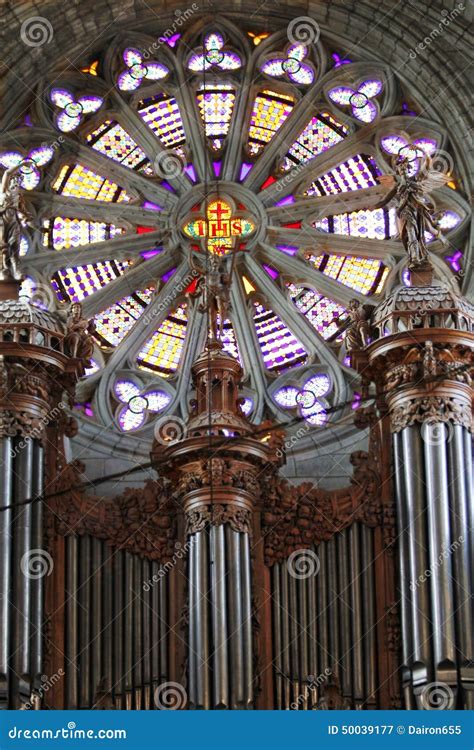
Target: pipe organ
220, 585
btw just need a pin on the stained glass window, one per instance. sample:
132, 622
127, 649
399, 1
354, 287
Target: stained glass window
280, 348
360, 100
377, 224
115, 322
356, 173
162, 352
214, 55
318, 309
216, 104
74, 284
291, 66
113, 141
62, 233
161, 114
365, 275
269, 112
79, 182
322, 132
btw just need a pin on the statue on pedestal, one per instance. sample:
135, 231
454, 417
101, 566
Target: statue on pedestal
78, 341
12, 214
414, 213
213, 287
356, 326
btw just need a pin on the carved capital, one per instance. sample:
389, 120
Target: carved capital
239, 519
431, 409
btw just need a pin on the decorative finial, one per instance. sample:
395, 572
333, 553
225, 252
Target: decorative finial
12, 214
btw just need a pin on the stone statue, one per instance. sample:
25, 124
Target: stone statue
414, 214
12, 214
356, 325
78, 341
214, 289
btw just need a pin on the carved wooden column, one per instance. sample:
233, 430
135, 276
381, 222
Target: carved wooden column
35, 371
217, 468
421, 360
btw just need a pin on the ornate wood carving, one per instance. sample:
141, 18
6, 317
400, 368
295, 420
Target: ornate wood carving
141, 521
238, 518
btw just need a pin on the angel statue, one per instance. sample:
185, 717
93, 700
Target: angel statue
213, 286
12, 214
356, 325
414, 213
78, 341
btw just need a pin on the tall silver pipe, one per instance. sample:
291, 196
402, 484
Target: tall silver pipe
84, 597
303, 638
108, 641
313, 633
329, 550
285, 632
276, 605
325, 661
119, 604
157, 674
368, 611
357, 676
294, 635
37, 598
23, 573
6, 494
219, 618
137, 632
404, 570
344, 613
468, 683
96, 615
202, 621
72, 625
128, 630
235, 618
192, 598
145, 593
442, 612
415, 505
163, 609
246, 587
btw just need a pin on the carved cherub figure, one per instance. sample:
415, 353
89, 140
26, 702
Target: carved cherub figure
414, 213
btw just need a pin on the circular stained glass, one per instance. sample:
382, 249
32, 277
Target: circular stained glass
217, 147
